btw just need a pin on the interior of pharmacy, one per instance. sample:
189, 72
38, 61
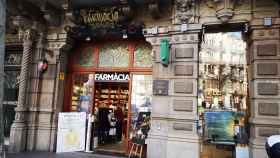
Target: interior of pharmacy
112, 81
222, 95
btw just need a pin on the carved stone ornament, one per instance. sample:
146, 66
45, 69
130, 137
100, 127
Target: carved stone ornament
25, 27
185, 10
224, 8
154, 10
27, 34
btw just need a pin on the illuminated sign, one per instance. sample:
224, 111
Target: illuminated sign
111, 77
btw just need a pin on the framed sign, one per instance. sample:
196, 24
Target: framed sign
71, 132
160, 87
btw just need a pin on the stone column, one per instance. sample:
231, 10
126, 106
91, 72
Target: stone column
264, 76
173, 129
18, 129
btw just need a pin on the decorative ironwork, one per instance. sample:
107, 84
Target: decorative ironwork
13, 59
142, 56
99, 22
100, 16
11, 79
86, 58
114, 55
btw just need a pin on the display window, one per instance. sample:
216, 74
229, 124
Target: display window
112, 82
222, 93
141, 99
82, 89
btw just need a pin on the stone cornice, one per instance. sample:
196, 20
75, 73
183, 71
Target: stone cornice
169, 30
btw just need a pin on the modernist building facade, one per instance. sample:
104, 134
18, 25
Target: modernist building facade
56, 31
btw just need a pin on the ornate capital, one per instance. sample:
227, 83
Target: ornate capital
185, 10
26, 28
224, 8
26, 34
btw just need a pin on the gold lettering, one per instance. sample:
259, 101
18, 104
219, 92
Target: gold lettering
101, 16
91, 18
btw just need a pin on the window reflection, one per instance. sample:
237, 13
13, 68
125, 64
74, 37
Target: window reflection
141, 98
82, 92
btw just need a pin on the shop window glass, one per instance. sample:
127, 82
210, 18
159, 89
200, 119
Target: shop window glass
222, 89
142, 56
82, 89
114, 55
85, 57
141, 98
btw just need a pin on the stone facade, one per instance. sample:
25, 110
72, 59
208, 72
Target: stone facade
173, 124
174, 116
263, 52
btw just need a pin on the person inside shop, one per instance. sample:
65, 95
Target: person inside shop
119, 117
103, 123
112, 121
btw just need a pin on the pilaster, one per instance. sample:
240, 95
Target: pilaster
264, 70
173, 127
19, 128
46, 93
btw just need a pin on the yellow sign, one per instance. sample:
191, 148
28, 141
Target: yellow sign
61, 76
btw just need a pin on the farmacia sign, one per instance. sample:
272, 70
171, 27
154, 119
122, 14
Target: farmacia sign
111, 77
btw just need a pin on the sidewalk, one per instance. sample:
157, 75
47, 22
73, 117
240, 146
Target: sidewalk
58, 155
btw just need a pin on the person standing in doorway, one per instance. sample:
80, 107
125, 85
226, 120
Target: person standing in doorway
119, 116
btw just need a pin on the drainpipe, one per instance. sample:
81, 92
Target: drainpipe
2, 54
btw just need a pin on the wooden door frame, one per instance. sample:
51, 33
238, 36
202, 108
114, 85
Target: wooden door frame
74, 69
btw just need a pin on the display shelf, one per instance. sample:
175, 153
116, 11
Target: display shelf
111, 94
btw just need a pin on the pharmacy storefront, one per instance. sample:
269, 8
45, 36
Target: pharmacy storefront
111, 81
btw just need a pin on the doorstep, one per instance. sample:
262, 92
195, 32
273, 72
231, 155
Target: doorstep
110, 152
60, 155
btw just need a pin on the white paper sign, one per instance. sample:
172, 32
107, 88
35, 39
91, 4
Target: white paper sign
71, 132
242, 152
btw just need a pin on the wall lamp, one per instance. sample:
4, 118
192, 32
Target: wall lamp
43, 65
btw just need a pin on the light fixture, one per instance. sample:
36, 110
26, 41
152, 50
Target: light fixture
42, 65
267, 21
88, 39
124, 36
184, 27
